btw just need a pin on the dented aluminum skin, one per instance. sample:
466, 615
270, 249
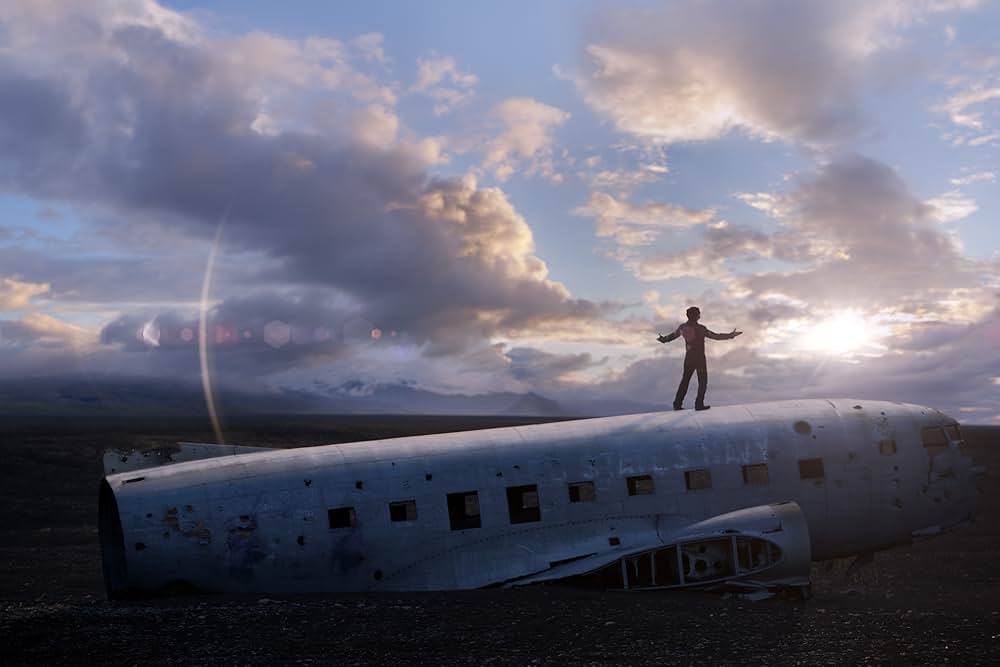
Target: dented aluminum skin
260, 522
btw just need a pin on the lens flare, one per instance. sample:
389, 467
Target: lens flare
277, 334
206, 376
150, 334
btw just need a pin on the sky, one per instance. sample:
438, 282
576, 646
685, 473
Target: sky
505, 197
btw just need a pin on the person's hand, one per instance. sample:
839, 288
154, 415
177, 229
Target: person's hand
735, 333
661, 338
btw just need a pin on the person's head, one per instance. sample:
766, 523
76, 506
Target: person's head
693, 313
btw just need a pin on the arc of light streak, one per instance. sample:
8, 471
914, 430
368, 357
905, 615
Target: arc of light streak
206, 375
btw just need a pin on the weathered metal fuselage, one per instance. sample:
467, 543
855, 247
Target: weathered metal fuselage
473, 509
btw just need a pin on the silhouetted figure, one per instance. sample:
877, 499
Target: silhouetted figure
694, 360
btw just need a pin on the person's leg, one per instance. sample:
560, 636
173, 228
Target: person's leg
682, 388
702, 382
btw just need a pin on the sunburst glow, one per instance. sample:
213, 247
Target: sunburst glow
844, 333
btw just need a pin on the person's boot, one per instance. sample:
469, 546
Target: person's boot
703, 407
678, 406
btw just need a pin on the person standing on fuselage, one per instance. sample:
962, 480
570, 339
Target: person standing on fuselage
694, 360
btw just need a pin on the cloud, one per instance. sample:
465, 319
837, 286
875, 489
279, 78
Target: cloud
249, 337
851, 236
525, 140
974, 177
698, 70
370, 46
973, 98
869, 241
539, 367
959, 106
623, 181
42, 329
16, 294
951, 206
638, 224
955, 365
168, 128
439, 78
720, 244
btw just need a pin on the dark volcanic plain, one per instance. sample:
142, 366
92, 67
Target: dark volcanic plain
933, 603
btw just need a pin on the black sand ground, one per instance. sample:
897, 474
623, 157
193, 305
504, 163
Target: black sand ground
936, 602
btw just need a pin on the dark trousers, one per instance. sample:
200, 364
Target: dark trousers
691, 365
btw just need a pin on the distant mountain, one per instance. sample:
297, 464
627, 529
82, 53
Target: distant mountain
407, 399
141, 396
615, 406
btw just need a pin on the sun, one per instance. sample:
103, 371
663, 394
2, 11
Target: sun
844, 333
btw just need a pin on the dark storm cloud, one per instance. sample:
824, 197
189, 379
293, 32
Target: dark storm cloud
41, 131
155, 125
107, 279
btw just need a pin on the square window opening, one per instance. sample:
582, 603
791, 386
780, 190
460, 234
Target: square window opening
935, 441
887, 447
811, 469
463, 510
755, 474
404, 510
342, 517
641, 485
698, 479
522, 504
582, 492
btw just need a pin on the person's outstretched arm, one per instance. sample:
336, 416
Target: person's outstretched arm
673, 335
717, 336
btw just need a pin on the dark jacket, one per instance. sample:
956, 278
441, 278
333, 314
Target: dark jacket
694, 336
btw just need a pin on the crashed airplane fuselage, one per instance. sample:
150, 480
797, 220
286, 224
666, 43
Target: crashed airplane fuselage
737, 497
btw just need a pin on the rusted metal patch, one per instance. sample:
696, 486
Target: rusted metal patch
244, 548
195, 530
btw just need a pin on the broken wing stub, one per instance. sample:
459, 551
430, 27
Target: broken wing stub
763, 547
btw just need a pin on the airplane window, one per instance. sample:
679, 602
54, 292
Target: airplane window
522, 504
953, 433
698, 479
811, 468
752, 553
935, 441
641, 485
755, 474
463, 510
665, 562
342, 517
582, 492
404, 510
887, 447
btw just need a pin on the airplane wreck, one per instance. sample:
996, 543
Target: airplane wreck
740, 498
